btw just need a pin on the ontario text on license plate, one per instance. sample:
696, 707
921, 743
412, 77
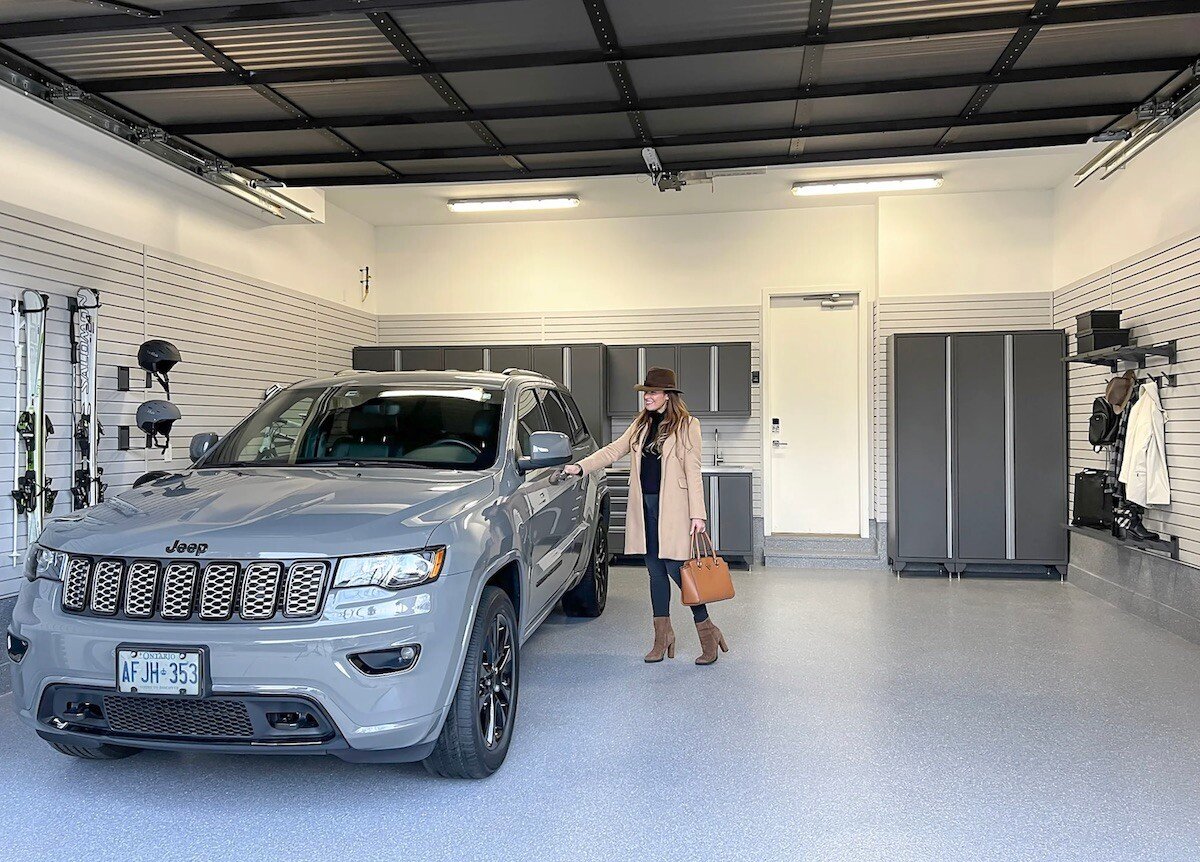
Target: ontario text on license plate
159, 671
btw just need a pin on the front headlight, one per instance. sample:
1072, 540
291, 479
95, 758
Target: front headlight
391, 571
44, 563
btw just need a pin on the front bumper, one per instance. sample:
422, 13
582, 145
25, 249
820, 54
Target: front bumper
385, 717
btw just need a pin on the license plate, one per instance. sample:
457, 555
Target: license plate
160, 671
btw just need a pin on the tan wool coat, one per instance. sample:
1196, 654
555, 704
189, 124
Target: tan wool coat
681, 494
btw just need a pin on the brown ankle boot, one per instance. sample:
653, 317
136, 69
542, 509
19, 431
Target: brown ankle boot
710, 639
664, 640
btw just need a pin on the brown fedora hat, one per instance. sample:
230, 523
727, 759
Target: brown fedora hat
659, 378
1120, 389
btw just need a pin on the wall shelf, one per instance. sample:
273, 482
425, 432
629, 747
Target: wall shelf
1112, 356
1168, 545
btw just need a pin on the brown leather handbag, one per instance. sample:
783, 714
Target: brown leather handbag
705, 577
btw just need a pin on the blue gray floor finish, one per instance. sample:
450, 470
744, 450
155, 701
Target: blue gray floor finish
857, 717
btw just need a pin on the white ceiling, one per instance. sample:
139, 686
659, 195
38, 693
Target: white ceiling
624, 196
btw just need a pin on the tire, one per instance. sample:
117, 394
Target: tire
103, 751
462, 749
590, 595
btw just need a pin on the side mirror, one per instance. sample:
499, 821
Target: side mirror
201, 445
546, 449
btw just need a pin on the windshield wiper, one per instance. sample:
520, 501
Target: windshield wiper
359, 462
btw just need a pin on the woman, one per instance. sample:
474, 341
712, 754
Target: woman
666, 502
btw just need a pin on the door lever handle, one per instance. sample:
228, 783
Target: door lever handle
778, 444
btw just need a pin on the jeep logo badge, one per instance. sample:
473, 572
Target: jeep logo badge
178, 547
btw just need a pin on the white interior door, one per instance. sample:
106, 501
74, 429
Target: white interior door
813, 412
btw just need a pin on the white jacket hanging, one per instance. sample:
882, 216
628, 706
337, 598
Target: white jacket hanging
1144, 470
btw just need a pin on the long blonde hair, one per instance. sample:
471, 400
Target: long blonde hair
675, 419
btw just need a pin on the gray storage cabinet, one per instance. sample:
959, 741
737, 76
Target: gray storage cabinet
715, 378
977, 451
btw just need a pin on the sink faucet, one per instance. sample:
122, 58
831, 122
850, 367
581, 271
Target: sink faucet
718, 458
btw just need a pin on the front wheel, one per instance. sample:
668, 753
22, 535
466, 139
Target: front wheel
475, 738
590, 595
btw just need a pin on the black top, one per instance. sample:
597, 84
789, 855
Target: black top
651, 472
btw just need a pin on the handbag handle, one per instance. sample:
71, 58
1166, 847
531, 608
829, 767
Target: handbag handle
698, 545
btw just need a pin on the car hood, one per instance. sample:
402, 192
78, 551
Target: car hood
283, 512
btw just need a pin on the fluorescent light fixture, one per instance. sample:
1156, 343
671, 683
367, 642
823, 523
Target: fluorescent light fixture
860, 186
488, 205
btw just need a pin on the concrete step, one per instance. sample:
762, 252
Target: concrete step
819, 544
793, 561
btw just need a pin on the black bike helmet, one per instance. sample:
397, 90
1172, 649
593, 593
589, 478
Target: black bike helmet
156, 419
159, 357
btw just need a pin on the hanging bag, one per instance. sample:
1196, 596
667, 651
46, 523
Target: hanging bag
1102, 425
705, 577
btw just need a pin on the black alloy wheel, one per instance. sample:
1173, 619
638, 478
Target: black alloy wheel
494, 692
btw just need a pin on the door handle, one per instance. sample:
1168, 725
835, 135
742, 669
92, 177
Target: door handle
778, 444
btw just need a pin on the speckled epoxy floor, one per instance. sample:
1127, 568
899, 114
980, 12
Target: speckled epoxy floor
857, 718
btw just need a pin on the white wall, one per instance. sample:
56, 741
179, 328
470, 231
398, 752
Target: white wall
713, 259
57, 166
1154, 198
905, 245
983, 242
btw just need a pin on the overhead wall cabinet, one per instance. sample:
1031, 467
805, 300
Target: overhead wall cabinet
579, 367
715, 378
977, 451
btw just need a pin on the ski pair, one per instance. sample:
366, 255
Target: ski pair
33, 495
88, 489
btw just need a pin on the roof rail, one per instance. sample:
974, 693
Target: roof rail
509, 371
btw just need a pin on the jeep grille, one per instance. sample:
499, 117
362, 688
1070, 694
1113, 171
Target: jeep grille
182, 590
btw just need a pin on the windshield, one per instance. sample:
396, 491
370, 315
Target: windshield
428, 426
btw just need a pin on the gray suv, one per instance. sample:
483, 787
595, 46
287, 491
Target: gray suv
352, 570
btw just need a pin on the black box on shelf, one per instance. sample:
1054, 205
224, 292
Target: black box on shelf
1098, 319
1099, 339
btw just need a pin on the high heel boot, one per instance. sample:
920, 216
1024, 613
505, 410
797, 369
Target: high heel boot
664, 640
710, 639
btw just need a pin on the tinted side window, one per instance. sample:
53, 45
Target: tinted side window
529, 418
581, 429
556, 414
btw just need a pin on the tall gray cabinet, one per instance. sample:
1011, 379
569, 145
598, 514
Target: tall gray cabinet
977, 451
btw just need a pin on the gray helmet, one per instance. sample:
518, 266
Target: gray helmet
156, 419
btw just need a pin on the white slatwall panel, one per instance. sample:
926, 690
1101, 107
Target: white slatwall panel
741, 438
962, 313
45, 255
236, 335
1158, 294
1084, 382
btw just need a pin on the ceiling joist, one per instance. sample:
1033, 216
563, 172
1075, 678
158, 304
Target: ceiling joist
718, 164
234, 13
705, 138
836, 36
705, 100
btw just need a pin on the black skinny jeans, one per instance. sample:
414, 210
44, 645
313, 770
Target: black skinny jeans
662, 572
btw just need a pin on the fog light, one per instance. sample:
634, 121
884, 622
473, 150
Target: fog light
394, 660
291, 720
82, 711
17, 647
